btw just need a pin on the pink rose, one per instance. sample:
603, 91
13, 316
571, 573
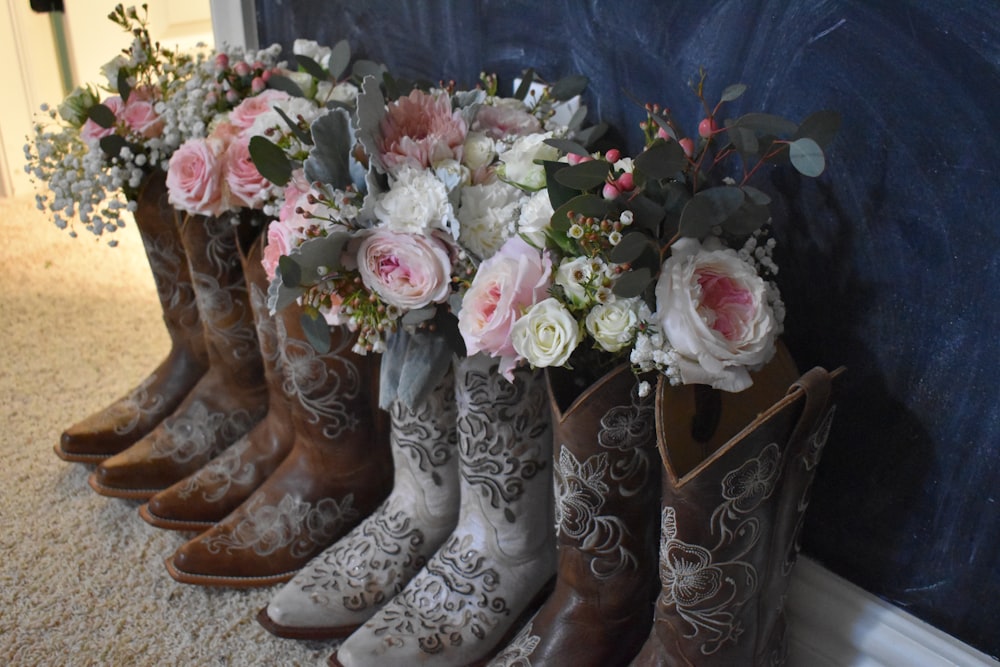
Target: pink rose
714, 311
195, 179
243, 116
506, 284
140, 116
225, 132
246, 186
296, 195
408, 271
91, 132
277, 245
506, 120
420, 130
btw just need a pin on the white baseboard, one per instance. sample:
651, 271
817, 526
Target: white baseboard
833, 623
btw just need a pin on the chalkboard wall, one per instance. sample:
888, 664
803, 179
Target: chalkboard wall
890, 261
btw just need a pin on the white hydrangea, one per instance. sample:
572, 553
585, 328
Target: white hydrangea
486, 216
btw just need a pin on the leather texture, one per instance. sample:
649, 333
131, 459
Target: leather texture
731, 514
210, 494
229, 399
607, 480
345, 585
134, 415
338, 471
462, 606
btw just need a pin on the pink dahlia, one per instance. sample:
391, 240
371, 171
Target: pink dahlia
420, 130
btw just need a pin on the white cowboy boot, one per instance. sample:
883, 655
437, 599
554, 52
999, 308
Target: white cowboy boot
463, 605
345, 585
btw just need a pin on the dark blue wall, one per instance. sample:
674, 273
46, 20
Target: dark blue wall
889, 261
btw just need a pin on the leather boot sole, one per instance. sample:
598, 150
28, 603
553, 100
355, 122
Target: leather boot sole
80, 458
114, 492
227, 582
303, 632
172, 524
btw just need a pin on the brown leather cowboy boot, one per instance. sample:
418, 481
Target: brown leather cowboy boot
339, 470
229, 399
200, 500
732, 506
607, 482
131, 417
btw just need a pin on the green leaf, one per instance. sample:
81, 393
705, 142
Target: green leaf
632, 283
124, 87
102, 115
568, 146
270, 160
629, 248
755, 195
526, 81
285, 296
317, 332
284, 84
765, 123
113, 144
662, 160
340, 58
733, 92
329, 159
568, 87
300, 134
647, 214
743, 139
289, 271
589, 205
589, 135
585, 175
821, 127
559, 194
311, 67
749, 218
365, 68
807, 157
708, 209
321, 251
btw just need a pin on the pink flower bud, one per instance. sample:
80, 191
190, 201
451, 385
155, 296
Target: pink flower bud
625, 182
212, 98
610, 191
688, 146
221, 62
266, 75
662, 134
232, 96
613, 155
257, 85
241, 68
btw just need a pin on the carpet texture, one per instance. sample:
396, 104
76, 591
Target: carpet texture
82, 580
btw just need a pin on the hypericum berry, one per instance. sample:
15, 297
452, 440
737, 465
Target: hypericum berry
610, 191
613, 155
707, 128
625, 182
687, 145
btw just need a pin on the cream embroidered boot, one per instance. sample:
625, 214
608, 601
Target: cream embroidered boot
229, 399
496, 563
128, 419
345, 585
731, 512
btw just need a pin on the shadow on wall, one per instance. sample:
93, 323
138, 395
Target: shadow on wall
888, 261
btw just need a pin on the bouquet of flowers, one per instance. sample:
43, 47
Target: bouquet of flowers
447, 176
664, 259
95, 150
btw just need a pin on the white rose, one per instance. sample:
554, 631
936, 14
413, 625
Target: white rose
536, 215
312, 49
416, 203
479, 151
546, 334
486, 216
518, 162
613, 324
713, 310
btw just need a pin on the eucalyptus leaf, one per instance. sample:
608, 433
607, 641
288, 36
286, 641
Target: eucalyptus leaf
560, 242
522, 90
102, 115
289, 271
733, 92
270, 160
756, 196
113, 144
820, 126
311, 67
589, 135
646, 214
284, 84
744, 139
709, 208
629, 248
568, 146
662, 160
559, 194
568, 87
317, 332
124, 87
765, 123
585, 175
749, 218
662, 123
340, 58
807, 157
300, 134
329, 159
589, 205
632, 283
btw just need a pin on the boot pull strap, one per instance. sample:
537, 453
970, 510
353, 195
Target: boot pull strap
817, 386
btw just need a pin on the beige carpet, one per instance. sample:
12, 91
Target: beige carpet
82, 580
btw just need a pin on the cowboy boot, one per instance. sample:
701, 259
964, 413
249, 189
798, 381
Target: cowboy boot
209, 495
338, 472
345, 585
498, 560
606, 482
131, 417
732, 504
228, 400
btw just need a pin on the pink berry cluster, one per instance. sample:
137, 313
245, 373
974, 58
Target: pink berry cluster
236, 81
